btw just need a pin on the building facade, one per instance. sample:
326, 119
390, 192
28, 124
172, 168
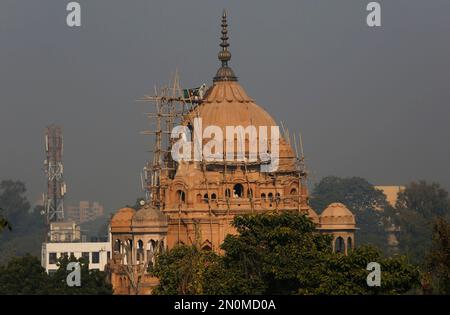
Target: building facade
85, 211
194, 202
96, 253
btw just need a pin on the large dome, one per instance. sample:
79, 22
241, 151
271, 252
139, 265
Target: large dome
227, 104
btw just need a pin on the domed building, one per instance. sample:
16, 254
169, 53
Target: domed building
194, 201
340, 222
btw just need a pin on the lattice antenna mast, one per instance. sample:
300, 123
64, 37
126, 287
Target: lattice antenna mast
53, 167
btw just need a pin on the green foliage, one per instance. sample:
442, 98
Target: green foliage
429, 200
362, 199
346, 275
13, 200
28, 227
4, 223
416, 209
273, 251
279, 254
185, 270
24, 275
92, 281
437, 263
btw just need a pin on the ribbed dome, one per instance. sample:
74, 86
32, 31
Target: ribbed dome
149, 218
122, 219
337, 216
227, 104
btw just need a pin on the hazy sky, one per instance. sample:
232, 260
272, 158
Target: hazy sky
369, 102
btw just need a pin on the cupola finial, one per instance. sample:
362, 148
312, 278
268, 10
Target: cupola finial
224, 73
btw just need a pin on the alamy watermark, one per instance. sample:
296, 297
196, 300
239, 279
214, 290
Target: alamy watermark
190, 144
374, 277
74, 277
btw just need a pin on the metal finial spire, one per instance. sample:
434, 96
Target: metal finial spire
224, 73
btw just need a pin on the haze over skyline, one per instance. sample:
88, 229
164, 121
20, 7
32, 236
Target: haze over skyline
370, 102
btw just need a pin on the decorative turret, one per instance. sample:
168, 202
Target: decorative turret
225, 73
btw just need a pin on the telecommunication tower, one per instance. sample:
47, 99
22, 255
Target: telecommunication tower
53, 167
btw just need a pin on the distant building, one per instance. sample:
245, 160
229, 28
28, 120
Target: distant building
97, 253
64, 232
391, 193
85, 211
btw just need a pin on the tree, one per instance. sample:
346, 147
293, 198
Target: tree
24, 275
93, 282
13, 200
437, 262
28, 230
429, 200
186, 270
279, 253
361, 197
338, 274
416, 209
3, 223
273, 251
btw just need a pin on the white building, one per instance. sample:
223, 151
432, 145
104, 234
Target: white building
98, 254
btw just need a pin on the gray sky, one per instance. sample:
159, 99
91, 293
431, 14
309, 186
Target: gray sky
369, 102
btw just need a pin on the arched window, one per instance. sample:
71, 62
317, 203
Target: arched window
293, 192
270, 195
277, 197
205, 198
151, 251
117, 246
263, 197
339, 246
140, 251
206, 247
213, 196
238, 191
181, 196
349, 243
152, 245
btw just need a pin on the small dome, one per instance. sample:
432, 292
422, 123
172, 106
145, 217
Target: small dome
313, 215
149, 219
122, 219
337, 216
